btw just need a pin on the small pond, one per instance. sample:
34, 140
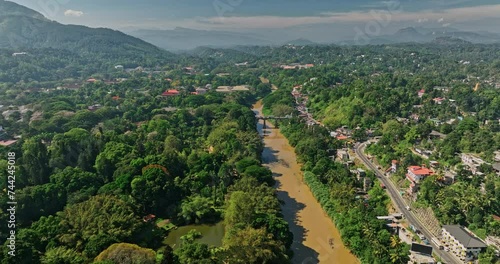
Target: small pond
212, 235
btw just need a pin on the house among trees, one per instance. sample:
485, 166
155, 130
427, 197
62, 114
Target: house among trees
497, 155
496, 167
439, 100
449, 177
6, 143
189, 70
148, 218
94, 107
171, 92
394, 166
417, 173
472, 162
436, 135
343, 155
421, 93
200, 91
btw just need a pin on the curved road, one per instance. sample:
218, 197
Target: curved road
396, 198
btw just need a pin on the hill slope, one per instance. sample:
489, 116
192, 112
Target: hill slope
23, 28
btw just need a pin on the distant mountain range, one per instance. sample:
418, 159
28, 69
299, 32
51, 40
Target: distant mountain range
426, 35
180, 39
23, 28
185, 39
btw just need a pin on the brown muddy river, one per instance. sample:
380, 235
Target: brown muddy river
311, 227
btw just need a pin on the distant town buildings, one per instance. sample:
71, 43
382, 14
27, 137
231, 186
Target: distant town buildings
230, 89
296, 66
15, 54
241, 64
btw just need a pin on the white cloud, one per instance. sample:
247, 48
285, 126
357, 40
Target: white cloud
73, 13
446, 24
440, 20
422, 20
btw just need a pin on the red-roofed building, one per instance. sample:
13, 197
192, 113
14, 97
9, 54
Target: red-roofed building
342, 137
438, 100
171, 92
394, 166
416, 173
116, 98
149, 218
7, 143
421, 93
496, 217
91, 80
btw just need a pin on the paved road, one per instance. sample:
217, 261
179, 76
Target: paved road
396, 198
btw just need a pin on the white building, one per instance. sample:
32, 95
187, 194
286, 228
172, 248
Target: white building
416, 173
472, 162
201, 90
461, 242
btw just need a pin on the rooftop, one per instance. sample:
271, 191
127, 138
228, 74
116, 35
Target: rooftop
464, 237
7, 143
417, 170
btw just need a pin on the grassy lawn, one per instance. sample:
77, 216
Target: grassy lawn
165, 224
266, 111
480, 232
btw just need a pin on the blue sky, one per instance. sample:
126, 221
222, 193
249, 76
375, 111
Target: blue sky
270, 14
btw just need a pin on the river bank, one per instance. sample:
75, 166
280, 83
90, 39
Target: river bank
316, 239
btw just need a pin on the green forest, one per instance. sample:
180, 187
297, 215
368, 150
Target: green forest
108, 165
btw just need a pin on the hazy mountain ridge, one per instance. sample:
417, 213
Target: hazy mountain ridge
186, 39
423, 35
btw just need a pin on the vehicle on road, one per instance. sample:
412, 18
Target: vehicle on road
438, 243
